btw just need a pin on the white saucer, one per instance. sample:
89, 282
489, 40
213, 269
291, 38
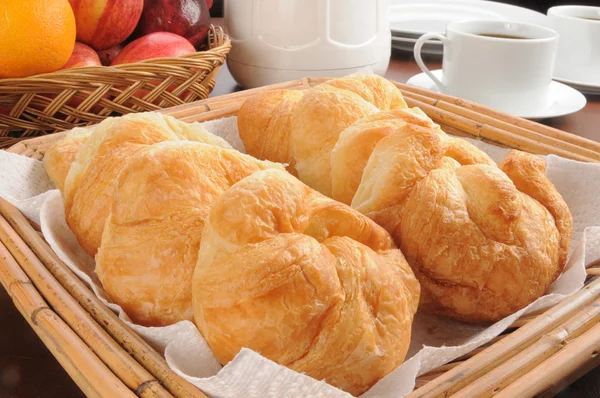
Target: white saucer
586, 88
565, 100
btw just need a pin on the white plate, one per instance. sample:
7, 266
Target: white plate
419, 17
431, 47
565, 100
587, 88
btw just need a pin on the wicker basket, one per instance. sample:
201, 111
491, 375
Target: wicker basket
64, 99
538, 354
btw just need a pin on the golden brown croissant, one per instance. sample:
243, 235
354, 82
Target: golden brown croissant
305, 281
89, 185
484, 241
481, 247
272, 125
153, 232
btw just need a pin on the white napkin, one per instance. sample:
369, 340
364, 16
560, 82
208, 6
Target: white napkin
435, 341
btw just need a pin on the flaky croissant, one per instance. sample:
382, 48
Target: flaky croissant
277, 114
305, 281
153, 231
484, 241
482, 246
89, 184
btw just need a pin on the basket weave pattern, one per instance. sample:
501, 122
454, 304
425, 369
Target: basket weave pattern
64, 99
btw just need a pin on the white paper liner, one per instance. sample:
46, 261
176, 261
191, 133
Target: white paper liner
435, 341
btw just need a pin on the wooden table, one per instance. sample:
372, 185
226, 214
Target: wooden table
28, 370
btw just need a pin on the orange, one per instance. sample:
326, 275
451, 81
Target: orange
36, 36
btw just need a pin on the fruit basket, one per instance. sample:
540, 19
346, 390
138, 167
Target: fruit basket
536, 354
57, 101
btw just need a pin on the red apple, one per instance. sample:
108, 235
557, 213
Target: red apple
83, 55
107, 56
154, 45
187, 18
105, 23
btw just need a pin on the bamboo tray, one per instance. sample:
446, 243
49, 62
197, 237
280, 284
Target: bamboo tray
538, 354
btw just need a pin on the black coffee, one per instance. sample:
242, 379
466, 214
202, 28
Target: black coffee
500, 36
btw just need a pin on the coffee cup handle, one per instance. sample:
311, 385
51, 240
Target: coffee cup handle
417, 51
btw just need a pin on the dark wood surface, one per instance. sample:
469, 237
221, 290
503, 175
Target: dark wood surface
28, 370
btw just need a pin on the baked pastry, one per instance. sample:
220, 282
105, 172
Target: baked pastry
89, 185
304, 280
356, 143
152, 235
58, 159
482, 245
273, 125
484, 240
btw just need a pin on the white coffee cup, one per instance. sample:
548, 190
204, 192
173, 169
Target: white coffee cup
578, 56
509, 74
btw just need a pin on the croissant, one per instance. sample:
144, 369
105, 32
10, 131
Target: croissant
271, 116
152, 234
482, 245
89, 184
484, 241
306, 281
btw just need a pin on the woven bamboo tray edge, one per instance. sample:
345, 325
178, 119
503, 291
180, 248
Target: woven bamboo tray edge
531, 346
